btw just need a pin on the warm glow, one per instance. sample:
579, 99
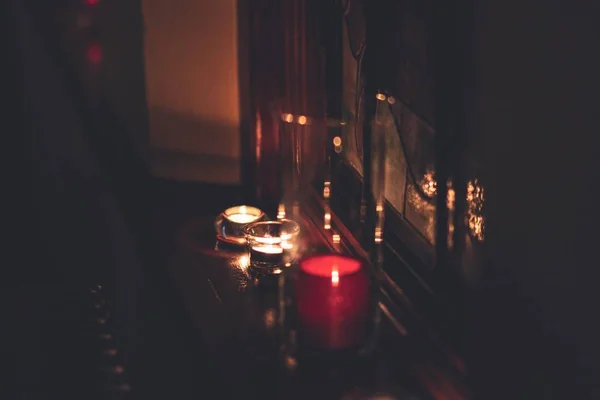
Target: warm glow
380, 96
378, 235
242, 262
428, 184
336, 238
281, 211
242, 218
269, 240
322, 265
335, 276
474, 197
258, 143
302, 120
326, 189
337, 141
379, 208
270, 318
268, 249
242, 214
287, 117
94, 53
391, 100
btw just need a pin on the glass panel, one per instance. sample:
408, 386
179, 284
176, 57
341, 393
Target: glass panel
410, 157
352, 96
395, 171
418, 139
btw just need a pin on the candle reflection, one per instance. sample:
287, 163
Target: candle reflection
326, 189
281, 211
475, 201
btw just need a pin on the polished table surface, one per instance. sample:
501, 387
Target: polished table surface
235, 321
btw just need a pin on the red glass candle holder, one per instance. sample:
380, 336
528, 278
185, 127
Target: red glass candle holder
329, 307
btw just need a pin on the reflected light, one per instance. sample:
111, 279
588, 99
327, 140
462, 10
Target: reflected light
326, 189
475, 200
287, 117
380, 96
338, 149
281, 211
302, 120
269, 318
84, 20
94, 53
336, 238
378, 235
327, 221
391, 100
335, 276
428, 184
242, 262
337, 141
258, 134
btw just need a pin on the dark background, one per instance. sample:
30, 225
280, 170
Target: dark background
537, 91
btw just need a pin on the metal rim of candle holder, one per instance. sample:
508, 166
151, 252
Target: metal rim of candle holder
230, 232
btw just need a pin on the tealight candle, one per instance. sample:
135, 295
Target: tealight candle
332, 296
242, 214
268, 249
232, 221
242, 218
270, 243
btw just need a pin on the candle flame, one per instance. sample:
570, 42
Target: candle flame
281, 211
335, 276
243, 210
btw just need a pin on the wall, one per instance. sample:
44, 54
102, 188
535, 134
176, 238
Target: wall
538, 89
192, 88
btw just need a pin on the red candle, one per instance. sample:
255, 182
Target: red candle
332, 295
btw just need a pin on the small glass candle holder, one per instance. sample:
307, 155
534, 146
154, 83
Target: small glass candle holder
231, 222
329, 310
271, 245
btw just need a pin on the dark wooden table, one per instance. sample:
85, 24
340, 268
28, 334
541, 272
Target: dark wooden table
234, 321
